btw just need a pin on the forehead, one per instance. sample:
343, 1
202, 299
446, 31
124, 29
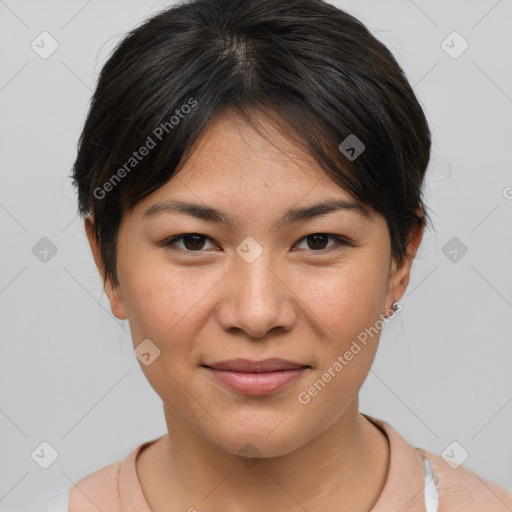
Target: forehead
231, 141
232, 153
237, 171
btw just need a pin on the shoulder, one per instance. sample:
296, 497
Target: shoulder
462, 490
112, 488
97, 491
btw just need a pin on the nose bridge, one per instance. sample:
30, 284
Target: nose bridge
256, 272
259, 298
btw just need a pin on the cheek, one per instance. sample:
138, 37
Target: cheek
164, 303
345, 299
347, 305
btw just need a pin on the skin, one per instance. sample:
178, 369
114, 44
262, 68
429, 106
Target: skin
297, 300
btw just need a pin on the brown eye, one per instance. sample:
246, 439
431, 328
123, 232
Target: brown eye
317, 242
192, 242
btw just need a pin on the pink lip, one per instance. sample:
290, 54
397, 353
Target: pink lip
256, 377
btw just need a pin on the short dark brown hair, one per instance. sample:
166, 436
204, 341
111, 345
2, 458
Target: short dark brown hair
318, 70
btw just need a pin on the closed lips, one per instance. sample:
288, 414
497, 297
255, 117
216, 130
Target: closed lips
264, 366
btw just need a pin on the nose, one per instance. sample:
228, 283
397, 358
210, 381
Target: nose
257, 299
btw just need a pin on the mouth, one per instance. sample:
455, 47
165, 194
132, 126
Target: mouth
248, 377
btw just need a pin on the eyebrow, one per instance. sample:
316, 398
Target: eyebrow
293, 216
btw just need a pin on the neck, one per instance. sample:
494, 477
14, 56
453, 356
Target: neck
346, 464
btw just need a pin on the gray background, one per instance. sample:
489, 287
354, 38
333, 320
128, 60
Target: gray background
68, 375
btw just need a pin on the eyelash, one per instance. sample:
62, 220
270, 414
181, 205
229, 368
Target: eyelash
169, 243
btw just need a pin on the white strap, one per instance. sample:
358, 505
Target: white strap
431, 493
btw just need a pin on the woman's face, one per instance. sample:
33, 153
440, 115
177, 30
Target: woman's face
257, 288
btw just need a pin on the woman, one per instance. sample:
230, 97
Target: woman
251, 173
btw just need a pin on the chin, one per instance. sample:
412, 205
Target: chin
270, 437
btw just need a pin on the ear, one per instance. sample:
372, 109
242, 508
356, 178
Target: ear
400, 274
114, 294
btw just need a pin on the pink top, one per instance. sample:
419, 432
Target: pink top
116, 488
